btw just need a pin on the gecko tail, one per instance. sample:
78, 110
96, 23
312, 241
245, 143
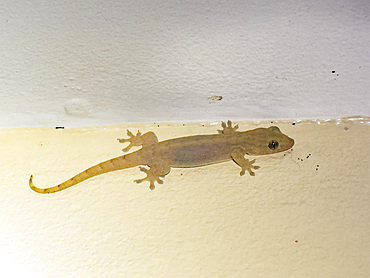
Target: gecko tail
118, 163
68, 183
56, 188
34, 188
72, 181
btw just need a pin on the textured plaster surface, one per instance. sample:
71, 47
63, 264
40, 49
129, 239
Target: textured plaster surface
304, 214
90, 63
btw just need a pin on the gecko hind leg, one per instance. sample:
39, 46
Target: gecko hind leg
238, 157
153, 174
145, 140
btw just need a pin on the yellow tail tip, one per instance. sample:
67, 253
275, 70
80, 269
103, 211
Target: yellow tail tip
34, 188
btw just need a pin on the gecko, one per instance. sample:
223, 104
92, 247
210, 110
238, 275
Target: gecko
156, 158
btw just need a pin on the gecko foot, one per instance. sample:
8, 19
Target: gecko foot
151, 177
248, 165
227, 128
135, 140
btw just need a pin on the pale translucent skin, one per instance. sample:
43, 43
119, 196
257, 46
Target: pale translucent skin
186, 152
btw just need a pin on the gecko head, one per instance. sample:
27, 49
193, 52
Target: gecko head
270, 140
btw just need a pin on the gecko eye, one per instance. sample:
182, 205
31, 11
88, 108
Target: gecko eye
273, 145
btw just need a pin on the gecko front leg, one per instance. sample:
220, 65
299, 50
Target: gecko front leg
145, 140
227, 128
238, 156
154, 174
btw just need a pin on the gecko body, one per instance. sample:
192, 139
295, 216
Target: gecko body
185, 152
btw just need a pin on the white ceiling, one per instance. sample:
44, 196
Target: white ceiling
83, 63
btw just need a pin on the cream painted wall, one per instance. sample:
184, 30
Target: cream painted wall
89, 63
304, 214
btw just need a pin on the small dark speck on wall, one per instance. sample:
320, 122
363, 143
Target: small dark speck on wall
59, 127
333, 71
213, 99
